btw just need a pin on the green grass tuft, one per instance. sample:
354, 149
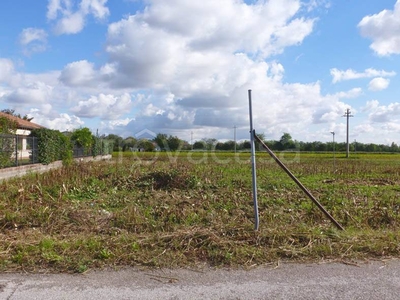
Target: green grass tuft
148, 210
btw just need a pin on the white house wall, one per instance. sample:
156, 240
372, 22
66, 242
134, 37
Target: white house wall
23, 132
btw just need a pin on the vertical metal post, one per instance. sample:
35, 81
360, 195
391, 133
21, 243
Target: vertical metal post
16, 150
253, 164
34, 150
333, 145
347, 134
234, 137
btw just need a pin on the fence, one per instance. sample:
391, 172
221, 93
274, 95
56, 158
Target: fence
18, 150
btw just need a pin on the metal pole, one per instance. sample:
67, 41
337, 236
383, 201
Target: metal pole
333, 139
253, 164
316, 202
16, 150
347, 135
234, 136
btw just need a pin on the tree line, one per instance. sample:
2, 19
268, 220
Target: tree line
84, 138
164, 142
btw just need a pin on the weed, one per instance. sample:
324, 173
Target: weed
145, 210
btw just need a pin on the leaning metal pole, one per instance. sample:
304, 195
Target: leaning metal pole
253, 164
316, 202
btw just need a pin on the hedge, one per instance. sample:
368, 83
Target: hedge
52, 146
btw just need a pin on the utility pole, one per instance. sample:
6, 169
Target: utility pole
347, 114
234, 136
191, 139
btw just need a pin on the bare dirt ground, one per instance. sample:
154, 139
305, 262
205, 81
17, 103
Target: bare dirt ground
361, 280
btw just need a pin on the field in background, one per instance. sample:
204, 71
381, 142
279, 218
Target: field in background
186, 209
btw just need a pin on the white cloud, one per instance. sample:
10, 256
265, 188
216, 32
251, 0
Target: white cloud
35, 92
116, 126
367, 132
6, 70
168, 42
151, 110
353, 93
391, 127
70, 24
371, 105
184, 71
314, 4
33, 40
385, 113
70, 17
107, 107
378, 84
96, 7
236, 23
384, 30
349, 74
79, 73
52, 120
29, 35
54, 6
21, 91
84, 74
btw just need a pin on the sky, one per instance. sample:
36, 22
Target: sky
184, 68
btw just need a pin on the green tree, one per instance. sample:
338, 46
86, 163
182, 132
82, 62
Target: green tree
146, 145
246, 145
199, 145
228, 145
286, 142
174, 143
129, 143
394, 147
117, 141
261, 136
210, 143
83, 138
270, 144
371, 148
162, 141
7, 126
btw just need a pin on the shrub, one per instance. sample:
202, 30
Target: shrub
52, 146
7, 142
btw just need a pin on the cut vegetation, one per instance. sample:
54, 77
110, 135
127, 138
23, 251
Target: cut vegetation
190, 209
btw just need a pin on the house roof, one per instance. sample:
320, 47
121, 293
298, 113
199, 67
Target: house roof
21, 123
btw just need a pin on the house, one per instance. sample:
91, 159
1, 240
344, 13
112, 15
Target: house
24, 128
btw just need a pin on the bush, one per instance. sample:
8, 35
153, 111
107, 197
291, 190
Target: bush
7, 141
52, 146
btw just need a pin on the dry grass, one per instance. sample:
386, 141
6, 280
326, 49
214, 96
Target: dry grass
154, 212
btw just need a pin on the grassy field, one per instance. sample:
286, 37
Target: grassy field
191, 209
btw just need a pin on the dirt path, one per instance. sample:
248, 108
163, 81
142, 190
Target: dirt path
366, 280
